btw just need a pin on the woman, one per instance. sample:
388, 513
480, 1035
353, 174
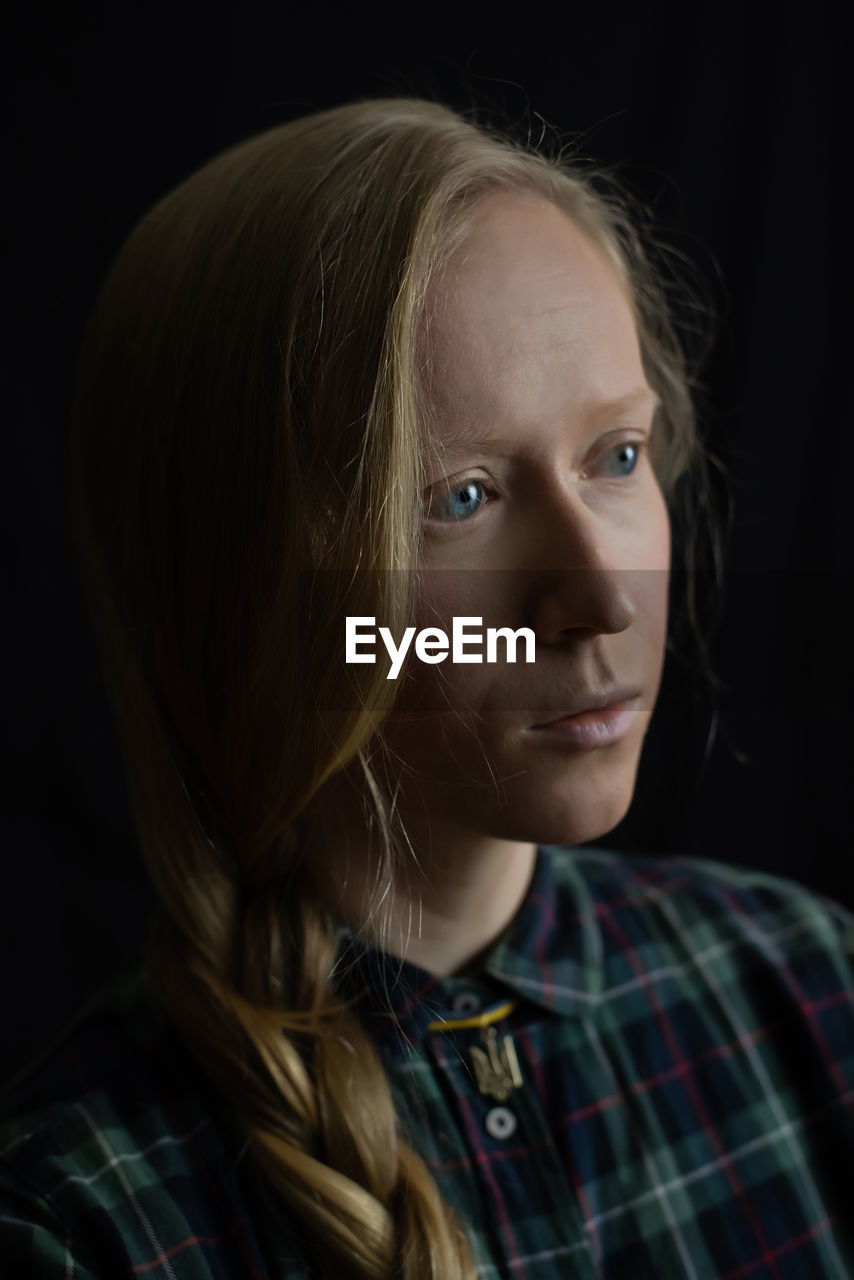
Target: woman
373, 375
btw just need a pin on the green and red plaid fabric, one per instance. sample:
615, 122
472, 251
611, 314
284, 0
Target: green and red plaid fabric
684, 1032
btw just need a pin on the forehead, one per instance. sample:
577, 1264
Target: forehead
528, 319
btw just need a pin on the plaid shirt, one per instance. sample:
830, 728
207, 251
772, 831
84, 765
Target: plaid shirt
684, 1036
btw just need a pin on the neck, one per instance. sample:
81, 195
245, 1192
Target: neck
451, 901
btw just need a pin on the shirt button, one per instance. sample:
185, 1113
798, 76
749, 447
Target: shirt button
466, 1002
500, 1123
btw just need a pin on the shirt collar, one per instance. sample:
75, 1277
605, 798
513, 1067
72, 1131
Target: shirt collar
550, 956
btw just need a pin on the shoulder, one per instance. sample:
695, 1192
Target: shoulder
702, 895
699, 926
116, 1156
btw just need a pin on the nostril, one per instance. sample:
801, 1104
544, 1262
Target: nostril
584, 601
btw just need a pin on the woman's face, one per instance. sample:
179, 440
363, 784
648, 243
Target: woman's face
542, 511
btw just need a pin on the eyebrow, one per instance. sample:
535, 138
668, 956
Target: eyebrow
640, 398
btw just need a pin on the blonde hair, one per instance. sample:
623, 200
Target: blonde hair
246, 442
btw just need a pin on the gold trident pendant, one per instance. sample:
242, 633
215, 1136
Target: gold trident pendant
497, 1069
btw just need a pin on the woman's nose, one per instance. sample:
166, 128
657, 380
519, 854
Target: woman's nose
595, 601
584, 584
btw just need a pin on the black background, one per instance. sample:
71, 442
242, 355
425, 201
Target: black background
732, 121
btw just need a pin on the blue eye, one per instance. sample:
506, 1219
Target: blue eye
622, 460
458, 503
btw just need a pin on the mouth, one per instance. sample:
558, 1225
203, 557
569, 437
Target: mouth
592, 720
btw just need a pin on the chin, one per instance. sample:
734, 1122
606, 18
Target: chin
577, 828
571, 810
580, 828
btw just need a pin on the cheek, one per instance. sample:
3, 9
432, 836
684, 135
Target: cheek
653, 583
646, 639
654, 625
438, 690
663, 551
663, 547
652, 532
444, 711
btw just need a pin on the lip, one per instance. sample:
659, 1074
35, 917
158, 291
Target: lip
593, 720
